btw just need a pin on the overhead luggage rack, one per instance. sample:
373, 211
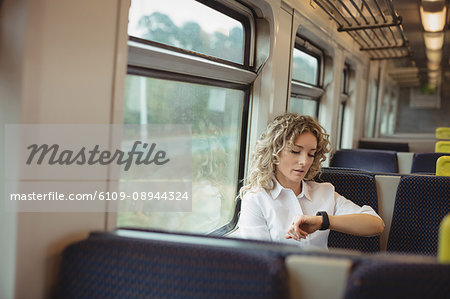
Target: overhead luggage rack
374, 25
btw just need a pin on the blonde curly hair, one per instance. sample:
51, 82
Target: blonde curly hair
282, 131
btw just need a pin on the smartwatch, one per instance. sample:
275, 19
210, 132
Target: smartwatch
325, 220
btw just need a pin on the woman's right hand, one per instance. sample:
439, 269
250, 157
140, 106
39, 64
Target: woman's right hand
302, 225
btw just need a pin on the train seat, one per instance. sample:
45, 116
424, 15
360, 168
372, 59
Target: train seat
443, 166
370, 160
421, 202
404, 162
417, 277
443, 133
425, 163
378, 145
444, 240
113, 266
442, 147
359, 187
306, 272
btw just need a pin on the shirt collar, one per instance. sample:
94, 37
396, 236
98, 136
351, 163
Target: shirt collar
306, 191
275, 192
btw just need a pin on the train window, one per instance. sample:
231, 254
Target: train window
388, 111
215, 114
306, 78
191, 26
305, 67
341, 123
303, 105
166, 85
343, 101
371, 109
345, 79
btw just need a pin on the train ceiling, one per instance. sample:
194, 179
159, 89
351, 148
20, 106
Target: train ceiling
393, 30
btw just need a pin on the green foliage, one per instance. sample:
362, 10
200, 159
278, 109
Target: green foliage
160, 28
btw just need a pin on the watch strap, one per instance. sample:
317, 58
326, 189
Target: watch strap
325, 220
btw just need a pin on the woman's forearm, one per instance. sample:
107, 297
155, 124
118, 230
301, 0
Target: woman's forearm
357, 224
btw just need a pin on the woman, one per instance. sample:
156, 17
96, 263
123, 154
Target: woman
281, 203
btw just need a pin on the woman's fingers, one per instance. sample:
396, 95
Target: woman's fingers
300, 232
296, 233
295, 236
297, 224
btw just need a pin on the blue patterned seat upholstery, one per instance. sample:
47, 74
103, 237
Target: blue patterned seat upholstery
369, 160
109, 266
390, 279
360, 188
343, 169
421, 203
390, 146
425, 163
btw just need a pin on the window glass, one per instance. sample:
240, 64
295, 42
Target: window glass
371, 109
215, 114
344, 97
305, 67
303, 105
189, 25
392, 114
341, 123
387, 114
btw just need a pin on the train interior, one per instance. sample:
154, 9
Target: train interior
371, 72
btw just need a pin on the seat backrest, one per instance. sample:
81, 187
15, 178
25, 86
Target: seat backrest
394, 279
444, 240
443, 166
360, 188
370, 160
425, 162
306, 271
421, 202
443, 133
110, 266
391, 146
442, 147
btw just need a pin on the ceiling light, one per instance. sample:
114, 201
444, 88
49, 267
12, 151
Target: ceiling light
433, 66
433, 20
434, 55
434, 40
433, 75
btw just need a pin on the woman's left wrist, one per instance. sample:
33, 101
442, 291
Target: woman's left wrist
325, 220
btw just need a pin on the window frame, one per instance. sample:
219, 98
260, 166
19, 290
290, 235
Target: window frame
342, 106
236, 11
343, 100
303, 89
231, 10
309, 48
156, 60
346, 79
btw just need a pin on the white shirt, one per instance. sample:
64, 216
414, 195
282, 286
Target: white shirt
267, 216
